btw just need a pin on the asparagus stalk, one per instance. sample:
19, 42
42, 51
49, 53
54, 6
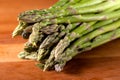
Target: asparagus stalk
31, 14
104, 38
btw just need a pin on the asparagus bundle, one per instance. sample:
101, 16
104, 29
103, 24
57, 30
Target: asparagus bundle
57, 34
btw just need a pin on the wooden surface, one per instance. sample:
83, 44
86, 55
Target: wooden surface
102, 63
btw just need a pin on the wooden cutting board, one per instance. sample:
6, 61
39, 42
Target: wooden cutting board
101, 63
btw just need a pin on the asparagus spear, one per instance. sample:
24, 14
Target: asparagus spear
104, 38
31, 14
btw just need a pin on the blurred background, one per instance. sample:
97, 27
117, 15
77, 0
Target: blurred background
101, 63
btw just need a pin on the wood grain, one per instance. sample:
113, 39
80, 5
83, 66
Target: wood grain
101, 63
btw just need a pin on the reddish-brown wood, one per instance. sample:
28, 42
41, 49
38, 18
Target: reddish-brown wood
101, 63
